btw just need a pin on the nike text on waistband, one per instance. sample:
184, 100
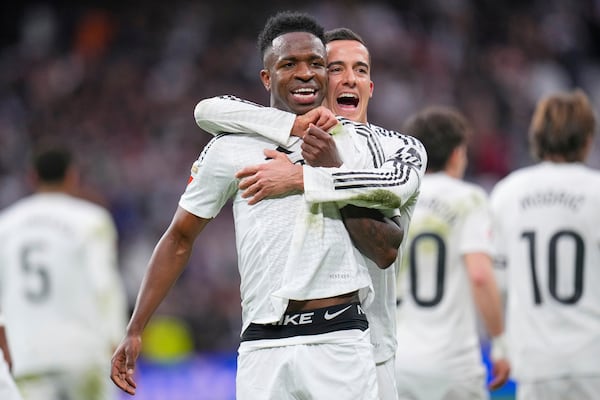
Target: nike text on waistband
311, 322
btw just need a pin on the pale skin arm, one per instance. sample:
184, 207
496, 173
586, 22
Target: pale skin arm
375, 236
168, 261
488, 302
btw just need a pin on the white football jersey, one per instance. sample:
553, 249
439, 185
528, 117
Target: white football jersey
287, 248
437, 324
61, 292
401, 160
546, 220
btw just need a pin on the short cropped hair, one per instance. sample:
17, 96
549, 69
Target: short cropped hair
441, 130
343, 34
286, 22
51, 162
561, 125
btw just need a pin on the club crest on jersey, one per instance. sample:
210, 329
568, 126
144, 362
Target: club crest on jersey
193, 172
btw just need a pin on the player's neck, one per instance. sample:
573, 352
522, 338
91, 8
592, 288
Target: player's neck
455, 167
52, 188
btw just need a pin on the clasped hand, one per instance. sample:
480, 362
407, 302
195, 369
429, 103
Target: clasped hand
280, 176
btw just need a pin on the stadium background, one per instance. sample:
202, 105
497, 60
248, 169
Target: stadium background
120, 81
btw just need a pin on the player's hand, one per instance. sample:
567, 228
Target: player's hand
277, 177
321, 116
123, 363
319, 149
500, 373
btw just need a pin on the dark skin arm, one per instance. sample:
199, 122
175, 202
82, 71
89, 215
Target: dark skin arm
168, 260
4, 347
375, 236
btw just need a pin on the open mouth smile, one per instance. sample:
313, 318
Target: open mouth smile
348, 99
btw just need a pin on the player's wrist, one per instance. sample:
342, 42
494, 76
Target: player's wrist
299, 126
297, 178
498, 348
135, 328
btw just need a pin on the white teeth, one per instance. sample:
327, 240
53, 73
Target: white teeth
349, 95
304, 90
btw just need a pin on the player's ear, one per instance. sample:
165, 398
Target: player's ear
265, 78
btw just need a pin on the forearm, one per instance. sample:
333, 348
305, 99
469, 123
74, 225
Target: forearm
4, 344
388, 186
380, 188
488, 303
486, 294
375, 236
230, 114
166, 265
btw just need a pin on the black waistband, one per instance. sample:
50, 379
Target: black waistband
311, 322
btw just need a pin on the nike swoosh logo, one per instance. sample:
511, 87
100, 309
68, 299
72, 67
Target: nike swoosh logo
328, 316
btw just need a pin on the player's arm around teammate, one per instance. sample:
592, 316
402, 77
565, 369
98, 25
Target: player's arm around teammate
279, 177
294, 64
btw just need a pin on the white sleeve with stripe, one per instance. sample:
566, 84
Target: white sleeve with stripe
390, 186
230, 114
393, 184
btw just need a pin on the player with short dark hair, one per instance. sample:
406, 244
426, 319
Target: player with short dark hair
61, 291
546, 224
294, 22
51, 164
396, 160
343, 34
447, 274
304, 332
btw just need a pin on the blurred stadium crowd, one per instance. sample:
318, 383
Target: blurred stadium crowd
121, 80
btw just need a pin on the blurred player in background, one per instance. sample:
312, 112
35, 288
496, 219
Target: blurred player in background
8, 388
350, 88
447, 274
546, 220
61, 292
